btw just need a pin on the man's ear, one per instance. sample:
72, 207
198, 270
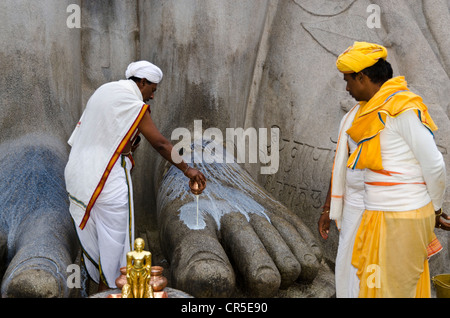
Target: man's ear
363, 78
360, 76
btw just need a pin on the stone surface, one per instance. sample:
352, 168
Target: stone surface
231, 64
240, 234
287, 79
39, 106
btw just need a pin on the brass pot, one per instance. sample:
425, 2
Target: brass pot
442, 285
122, 279
157, 280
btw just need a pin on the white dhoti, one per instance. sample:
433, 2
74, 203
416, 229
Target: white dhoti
109, 232
347, 208
347, 282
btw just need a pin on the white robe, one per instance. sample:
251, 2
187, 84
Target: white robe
98, 177
414, 168
109, 233
347, 282
109, 121
347, 208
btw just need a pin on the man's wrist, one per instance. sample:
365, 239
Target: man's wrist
325, 209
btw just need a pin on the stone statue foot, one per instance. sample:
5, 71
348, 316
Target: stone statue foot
240, 239
41, 239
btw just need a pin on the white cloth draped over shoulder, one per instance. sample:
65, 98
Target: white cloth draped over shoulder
339, 173
109, 121
347, 208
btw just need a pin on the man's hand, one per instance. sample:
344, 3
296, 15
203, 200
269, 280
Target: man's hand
324, 225
197, 181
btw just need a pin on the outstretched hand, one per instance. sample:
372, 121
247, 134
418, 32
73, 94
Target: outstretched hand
197, 181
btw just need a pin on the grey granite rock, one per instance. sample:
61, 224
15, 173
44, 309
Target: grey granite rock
232, 64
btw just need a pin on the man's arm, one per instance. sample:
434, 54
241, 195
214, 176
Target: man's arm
423, 145
164, 147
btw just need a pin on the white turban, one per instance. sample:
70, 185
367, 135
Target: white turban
144, 69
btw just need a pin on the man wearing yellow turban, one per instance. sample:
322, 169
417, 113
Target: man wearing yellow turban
360, 56
404, 177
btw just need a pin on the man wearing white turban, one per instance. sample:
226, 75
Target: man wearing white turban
144, 69
97, 173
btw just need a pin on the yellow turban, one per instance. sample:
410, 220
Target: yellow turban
360, 56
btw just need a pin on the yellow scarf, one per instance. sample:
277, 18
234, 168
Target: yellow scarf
392, 99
